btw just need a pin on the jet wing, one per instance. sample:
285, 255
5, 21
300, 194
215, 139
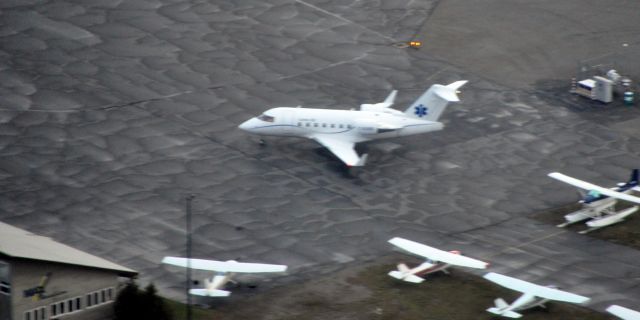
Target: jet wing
436, 254
534, 289
342, 149
623, 313
590, 186
224, 266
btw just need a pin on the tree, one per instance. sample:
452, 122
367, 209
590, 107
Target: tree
133, 304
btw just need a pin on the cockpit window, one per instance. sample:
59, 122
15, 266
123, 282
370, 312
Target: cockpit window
266, 118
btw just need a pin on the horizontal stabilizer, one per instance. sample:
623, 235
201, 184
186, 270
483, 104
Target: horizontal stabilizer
534, 289
436, 254
406, 277
590, 186
500, 303
450, 91
623, 313
209, 293
508, 314
224, 266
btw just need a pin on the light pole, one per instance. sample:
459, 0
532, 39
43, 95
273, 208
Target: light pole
189, 199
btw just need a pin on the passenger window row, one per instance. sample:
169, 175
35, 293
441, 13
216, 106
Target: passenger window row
324, 125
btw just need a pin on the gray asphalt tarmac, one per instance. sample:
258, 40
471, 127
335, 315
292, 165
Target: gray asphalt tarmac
111, 112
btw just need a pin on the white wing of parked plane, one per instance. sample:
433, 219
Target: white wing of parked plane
590, 186
344, 150
534, 289
224, 266
437, 254
623, 313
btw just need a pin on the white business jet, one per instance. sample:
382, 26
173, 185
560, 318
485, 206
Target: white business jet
623, 313
437, 260
224, 271
533, 295
340, 130
598, 203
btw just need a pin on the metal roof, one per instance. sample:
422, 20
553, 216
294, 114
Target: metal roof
18, 243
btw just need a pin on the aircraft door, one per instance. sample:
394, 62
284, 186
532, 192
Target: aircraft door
289, 119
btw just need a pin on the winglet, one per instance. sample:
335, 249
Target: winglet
362, 160
391, 98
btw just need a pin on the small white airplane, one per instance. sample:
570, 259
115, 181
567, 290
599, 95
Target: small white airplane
598, 202
623, 313
533, 295
437, 260
224, 271
340, 130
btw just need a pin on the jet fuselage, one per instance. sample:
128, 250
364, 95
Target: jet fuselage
359, 126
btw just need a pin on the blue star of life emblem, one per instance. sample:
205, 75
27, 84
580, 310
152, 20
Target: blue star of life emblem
421, 110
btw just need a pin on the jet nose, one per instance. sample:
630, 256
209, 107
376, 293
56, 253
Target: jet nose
246, 126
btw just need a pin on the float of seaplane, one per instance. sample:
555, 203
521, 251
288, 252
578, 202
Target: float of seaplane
598, 203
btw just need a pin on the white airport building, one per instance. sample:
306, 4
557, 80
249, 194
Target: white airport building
44, 279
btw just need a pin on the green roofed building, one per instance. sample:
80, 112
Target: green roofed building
44, 279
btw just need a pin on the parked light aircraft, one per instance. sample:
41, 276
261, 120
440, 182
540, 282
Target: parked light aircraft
224, 271
533, 295
340, 130
598, 202
623, 313
437, 260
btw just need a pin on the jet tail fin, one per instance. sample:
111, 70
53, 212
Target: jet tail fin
433, 101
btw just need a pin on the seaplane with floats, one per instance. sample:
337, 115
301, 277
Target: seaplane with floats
598, 203
340, 130
623, 313
224, 271
436, 260
533, 295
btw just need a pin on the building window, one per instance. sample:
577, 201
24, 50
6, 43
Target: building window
95, 298
110, 293
89, 304
54, 309
27, 315
78, 304
61, 307
5, 288
340, 126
